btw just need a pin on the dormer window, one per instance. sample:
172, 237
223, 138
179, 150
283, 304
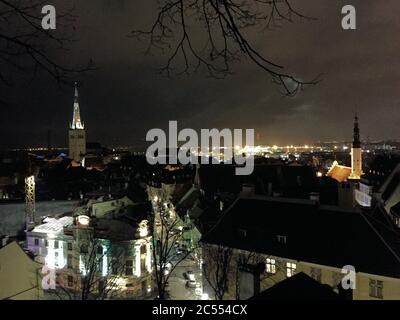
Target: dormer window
242, 233
281, 239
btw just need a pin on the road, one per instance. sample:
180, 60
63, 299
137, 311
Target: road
177, 289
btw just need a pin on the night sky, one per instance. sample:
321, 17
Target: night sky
126, 97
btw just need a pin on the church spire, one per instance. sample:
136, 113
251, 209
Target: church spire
356, 153
356, 133
76, 117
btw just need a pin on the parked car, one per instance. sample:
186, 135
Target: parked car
198, 292
190, 275
191, 284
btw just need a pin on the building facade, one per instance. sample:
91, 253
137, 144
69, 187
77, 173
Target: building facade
261, 241
94, 258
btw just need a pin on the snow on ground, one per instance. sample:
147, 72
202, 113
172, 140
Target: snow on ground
12, 215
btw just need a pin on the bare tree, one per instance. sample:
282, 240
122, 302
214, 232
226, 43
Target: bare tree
26, 45
92, 280
258, 262
166, 235
214, 33
217, 269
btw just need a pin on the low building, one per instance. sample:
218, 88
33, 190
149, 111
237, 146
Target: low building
259, 242
20, 276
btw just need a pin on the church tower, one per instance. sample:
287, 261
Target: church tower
77, 133
356, 154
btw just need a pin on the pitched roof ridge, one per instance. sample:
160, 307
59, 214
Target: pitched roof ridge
220, 219
381, 238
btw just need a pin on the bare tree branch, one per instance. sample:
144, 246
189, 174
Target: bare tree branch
212, 34
25, 46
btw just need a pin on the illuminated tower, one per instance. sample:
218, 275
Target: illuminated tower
356, 155
77, 133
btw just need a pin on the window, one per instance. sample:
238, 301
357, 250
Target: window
143, 250
316, 274
55, 244
70, 281
282, 239
69, 246
290, 269
271, 266
129, 268
84, 248
69, 261
336, 279
376, 288
100, 249
46, 243
56, 259
242, 233
36, 242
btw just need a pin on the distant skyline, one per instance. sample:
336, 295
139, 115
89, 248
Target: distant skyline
125, 98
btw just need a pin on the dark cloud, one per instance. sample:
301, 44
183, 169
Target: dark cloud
125, 98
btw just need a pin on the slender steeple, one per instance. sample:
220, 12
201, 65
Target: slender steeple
76, 116
356, 133
356, 153
77, 132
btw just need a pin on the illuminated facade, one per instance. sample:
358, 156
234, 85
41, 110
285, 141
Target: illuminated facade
77, 133
114, 255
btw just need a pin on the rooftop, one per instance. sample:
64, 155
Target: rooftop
338, 172
321, 235
54, 225
298, 287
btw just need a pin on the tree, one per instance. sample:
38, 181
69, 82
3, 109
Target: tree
97, 276
217, 269
245, 259
26, 45
214, 33
167, 234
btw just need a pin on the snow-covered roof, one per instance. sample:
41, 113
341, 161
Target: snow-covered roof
53, 225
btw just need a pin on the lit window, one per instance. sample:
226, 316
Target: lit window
271, 266
376, 289
290, 269
56, 259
